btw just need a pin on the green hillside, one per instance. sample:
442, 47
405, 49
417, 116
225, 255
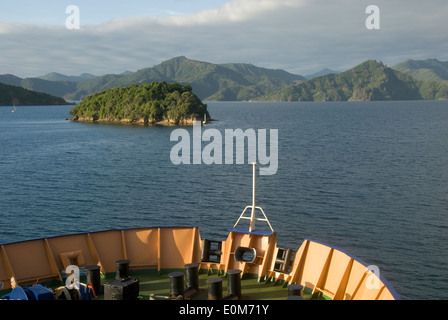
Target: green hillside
14, 95
147, 103
424, 70
368, 81
371, 80
209, 81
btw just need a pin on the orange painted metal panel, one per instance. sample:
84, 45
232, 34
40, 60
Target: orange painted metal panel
4, 275
109, 248
357, 275
177, 247
28, 259
334, 274
141, 246
313, 264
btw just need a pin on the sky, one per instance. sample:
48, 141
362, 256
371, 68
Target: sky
299, 36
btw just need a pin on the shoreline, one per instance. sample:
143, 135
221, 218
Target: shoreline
165, 122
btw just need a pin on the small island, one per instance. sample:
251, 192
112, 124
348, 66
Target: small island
155, 103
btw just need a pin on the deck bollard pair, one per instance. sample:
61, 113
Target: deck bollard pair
177, 288
179, 291
233, 286
94, 275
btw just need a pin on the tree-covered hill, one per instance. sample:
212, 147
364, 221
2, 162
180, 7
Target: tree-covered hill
429, 69
14, 95
148, 103
368, 81
209, 81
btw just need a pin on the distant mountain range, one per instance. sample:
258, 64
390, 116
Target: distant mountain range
233, 81
321, 73
371, 80
368, 81
53, 76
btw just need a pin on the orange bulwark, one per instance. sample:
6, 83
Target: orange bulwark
319, 268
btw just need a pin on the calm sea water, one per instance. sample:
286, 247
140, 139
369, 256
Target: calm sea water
370, 178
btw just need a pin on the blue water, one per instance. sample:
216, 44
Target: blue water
370, 178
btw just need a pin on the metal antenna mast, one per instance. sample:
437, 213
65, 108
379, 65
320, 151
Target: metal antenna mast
253, 217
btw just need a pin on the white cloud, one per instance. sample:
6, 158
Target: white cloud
234, 11
299, 36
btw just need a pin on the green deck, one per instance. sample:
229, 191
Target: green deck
153, 283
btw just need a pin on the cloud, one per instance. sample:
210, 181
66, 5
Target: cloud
301, 36
234, 11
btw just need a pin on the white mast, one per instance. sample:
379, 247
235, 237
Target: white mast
253, 217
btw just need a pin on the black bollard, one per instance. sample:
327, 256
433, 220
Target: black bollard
295, 292
176, 284
214, 288
122, 269
94, 279
233, 284
192, 279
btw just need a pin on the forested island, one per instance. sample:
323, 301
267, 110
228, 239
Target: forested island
155, 103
